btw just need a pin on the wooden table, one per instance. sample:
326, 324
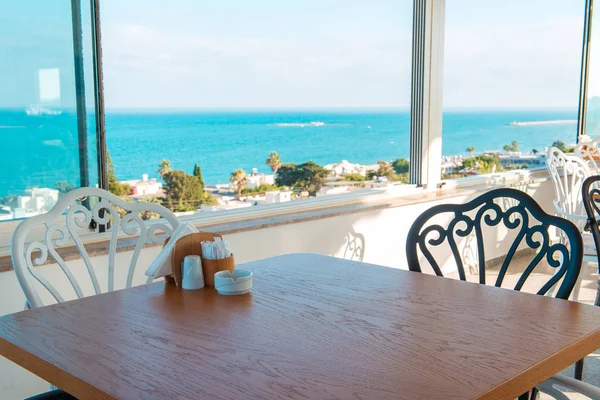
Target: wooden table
313, 327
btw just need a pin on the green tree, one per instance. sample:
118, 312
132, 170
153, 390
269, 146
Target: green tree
198, 174
240, 179
183, 191
354, 178
483, 164
265, 187
471, 149
119, 189
274, 161
514, 146
534, 151
308, 175
401, 166
287, 175
312, 176
559, 144
384, 169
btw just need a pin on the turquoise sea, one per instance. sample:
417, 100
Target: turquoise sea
42, 150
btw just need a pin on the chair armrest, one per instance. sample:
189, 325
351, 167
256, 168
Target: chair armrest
582, 387
566, 215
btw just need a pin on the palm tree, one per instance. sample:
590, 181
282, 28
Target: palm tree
164, 167
471, 149
239, 179
515, 145
274, 161
507, 148
534, 151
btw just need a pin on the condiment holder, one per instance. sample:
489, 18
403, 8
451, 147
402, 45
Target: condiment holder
192, 245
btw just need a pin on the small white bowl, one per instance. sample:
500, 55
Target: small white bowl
229, 284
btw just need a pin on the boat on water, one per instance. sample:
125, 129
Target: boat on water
37, 110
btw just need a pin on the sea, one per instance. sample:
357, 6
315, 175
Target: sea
41, 150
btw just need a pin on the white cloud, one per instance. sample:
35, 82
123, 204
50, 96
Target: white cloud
149, 67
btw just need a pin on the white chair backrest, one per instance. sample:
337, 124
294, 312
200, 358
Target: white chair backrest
589, 151
568, 173
37, 238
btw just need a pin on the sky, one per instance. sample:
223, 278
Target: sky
297, 54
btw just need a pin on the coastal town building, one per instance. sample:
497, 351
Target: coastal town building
145, 187
225, 203
517, 158
255, 179
278, 196
37, 200
451, 164
345, 167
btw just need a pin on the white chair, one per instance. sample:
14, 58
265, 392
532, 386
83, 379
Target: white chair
39, 237
589, 151
568, 173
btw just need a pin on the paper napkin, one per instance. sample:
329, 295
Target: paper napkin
161, 266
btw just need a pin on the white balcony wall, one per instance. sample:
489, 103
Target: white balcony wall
384, 232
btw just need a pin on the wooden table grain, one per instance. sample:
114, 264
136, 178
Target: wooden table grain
313, 327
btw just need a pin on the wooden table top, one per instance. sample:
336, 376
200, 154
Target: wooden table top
313, 327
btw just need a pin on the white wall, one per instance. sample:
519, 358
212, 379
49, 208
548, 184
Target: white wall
384, 232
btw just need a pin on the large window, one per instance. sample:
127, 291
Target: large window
213, 106
46, 85
592, 106
511, 82
222, 85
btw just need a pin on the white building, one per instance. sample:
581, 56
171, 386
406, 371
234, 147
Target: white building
345, 167
279, 196
516, 158
225, 203
451, 164
255, 179
37, 200
145, 187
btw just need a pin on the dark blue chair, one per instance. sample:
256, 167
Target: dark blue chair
591, 196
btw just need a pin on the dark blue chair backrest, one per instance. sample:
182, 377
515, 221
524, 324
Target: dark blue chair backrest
518, 213
591, 198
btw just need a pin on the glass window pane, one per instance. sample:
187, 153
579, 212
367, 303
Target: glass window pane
224, 84
48, 149
592, 121
511, 82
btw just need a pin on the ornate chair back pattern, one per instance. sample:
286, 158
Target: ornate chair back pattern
591, 196
568, 173
590, 153
64, 226
526, 219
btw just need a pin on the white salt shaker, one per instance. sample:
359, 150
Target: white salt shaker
193, 276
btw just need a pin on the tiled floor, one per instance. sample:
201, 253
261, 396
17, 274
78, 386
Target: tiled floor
585, 294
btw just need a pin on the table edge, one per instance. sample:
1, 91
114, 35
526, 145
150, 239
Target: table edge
538, 373
51, 373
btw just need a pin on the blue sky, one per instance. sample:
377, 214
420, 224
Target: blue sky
302, 53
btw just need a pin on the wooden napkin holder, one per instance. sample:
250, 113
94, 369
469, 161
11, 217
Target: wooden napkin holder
191, 245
